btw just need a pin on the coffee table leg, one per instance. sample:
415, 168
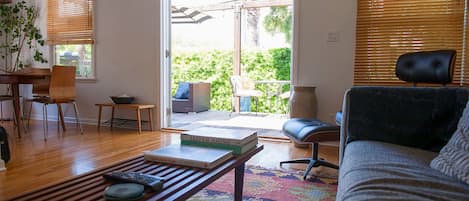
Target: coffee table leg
239, 181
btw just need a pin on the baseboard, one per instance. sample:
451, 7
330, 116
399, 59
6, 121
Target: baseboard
2, 165
86, 121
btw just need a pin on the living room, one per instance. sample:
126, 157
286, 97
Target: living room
128, 59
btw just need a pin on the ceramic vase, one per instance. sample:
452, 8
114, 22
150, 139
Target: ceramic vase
303, 102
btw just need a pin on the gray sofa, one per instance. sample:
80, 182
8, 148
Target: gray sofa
389, 135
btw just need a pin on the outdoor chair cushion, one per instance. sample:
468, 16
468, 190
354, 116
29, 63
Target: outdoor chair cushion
183, 91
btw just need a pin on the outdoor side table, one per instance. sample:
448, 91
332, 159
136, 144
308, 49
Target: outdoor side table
137, 107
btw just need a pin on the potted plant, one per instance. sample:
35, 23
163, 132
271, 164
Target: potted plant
19, 36
19, 39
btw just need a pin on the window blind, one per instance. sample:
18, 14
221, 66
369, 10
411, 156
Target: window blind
70, 21
464, 80
387, 29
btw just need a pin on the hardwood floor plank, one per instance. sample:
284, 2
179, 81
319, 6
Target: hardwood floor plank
37, 163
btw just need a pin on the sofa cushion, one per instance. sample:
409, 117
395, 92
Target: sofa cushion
374, 170
453, 159
182, 91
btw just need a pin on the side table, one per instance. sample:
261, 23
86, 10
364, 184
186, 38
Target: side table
137, 107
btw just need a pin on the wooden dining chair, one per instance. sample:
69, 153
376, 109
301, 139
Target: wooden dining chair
40, 89
61, 90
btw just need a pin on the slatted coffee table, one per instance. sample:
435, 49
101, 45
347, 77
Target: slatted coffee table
181, 182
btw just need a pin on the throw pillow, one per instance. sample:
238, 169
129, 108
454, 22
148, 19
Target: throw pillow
183, 91
453, 159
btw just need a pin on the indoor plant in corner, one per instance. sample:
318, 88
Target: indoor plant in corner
19, 36
19, 39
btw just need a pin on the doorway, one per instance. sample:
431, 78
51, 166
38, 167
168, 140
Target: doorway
213, 40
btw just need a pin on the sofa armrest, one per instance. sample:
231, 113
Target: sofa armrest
417, 117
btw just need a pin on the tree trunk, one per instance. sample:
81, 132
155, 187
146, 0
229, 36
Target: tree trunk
252, 37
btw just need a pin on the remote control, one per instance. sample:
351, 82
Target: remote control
154, 182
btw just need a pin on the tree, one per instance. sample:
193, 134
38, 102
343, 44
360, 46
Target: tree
253, 31
279, 20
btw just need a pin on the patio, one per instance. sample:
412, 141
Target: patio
267, 125
235, 38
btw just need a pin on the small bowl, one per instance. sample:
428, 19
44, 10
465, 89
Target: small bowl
122, 100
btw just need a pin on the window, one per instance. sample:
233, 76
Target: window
70, 32
387, 29
76, 55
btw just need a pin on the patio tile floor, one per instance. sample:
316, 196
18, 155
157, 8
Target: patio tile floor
267, 125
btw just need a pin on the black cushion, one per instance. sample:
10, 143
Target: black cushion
301, 129
429, 67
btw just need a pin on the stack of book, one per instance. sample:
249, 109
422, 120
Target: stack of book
205, 147
237, 140
200, 157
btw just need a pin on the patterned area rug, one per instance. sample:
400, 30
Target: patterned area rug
262, 184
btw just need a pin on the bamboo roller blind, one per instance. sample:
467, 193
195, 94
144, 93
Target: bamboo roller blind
387, 29
70, 21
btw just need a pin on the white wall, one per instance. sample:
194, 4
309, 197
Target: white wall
127, 53
127, 56
326, 65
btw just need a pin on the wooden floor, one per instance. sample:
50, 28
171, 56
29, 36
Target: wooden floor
37, 163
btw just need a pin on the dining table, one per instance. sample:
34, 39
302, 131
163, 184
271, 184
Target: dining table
27, 75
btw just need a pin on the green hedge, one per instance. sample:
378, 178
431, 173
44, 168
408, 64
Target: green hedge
216, 67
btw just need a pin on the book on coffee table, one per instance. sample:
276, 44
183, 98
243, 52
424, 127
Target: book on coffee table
193, 156
237, 137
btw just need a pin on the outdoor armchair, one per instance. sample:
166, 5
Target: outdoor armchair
192, 97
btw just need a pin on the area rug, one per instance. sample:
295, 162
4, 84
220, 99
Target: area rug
262, 184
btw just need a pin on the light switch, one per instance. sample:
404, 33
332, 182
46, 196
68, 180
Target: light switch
333, 36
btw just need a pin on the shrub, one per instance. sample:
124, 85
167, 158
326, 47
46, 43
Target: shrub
216, 67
